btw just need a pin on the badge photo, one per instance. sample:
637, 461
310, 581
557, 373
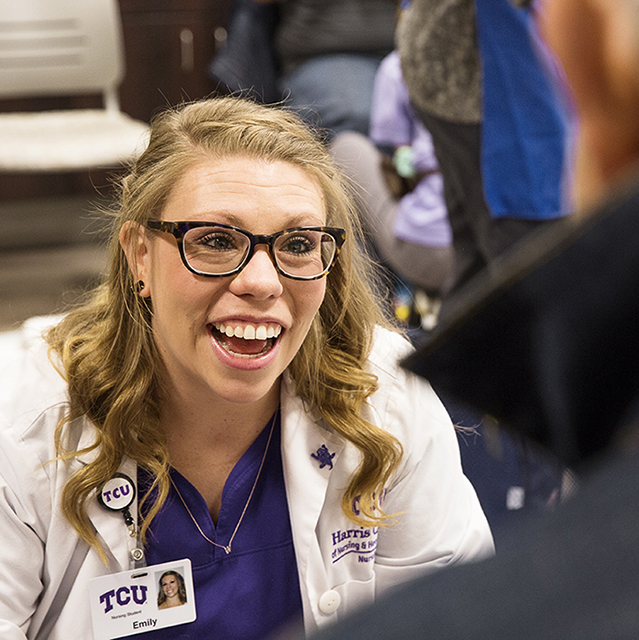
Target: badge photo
130, 602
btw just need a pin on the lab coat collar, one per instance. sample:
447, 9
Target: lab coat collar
303, 435
109, 525
306, 481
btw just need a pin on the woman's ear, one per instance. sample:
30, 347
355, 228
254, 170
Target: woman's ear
134, 243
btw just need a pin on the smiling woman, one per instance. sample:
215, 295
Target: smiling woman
172, 591
235, 369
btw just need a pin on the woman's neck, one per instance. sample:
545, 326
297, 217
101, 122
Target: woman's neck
206, 439
204, 416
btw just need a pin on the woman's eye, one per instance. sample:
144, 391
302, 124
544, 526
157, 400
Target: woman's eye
217, 241
298, 244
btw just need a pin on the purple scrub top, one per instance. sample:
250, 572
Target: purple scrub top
255, 589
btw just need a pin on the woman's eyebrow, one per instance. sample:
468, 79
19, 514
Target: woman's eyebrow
295, 220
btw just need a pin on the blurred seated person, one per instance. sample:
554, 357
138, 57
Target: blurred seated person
320, 56
401, 194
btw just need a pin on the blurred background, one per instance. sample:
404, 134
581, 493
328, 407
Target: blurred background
52, 231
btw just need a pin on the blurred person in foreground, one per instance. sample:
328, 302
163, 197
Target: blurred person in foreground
554, 341
235, 374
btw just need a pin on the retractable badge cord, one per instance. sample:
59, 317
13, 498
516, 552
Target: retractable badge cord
131, 602
118, 494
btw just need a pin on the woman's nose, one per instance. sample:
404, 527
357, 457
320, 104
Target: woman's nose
259, 277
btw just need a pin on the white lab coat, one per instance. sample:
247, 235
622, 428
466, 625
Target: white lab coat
440, 520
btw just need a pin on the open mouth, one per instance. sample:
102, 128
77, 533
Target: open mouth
248, 341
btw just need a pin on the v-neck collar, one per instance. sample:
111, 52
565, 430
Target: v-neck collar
234, 494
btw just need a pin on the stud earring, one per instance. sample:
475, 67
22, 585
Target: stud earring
139, 285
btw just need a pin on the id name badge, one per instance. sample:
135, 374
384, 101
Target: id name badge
142, 600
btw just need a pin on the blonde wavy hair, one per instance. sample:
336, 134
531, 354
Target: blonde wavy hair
106, 345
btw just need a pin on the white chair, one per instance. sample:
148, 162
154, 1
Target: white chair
64, 48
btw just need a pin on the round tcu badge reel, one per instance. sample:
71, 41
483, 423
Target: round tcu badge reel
118, 494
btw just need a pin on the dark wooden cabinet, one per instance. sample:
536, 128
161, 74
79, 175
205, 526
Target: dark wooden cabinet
169, 45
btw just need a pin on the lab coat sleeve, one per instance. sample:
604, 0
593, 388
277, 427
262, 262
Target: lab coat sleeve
27, 477
22, 547
438, 520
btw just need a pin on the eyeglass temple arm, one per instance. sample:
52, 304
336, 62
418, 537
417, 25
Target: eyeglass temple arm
161, 225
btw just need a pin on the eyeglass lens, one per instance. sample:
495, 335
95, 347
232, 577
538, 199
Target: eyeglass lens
216, 250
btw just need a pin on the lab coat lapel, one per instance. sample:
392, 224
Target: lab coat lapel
109, 525
306, 480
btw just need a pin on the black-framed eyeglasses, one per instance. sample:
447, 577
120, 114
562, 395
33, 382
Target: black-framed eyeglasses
215, 250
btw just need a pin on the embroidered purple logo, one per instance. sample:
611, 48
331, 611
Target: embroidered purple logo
324, 457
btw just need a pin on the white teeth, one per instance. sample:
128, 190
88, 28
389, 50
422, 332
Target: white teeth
250, 332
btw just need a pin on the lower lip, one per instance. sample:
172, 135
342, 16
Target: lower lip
244, 364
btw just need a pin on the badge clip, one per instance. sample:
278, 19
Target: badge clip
118, 494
